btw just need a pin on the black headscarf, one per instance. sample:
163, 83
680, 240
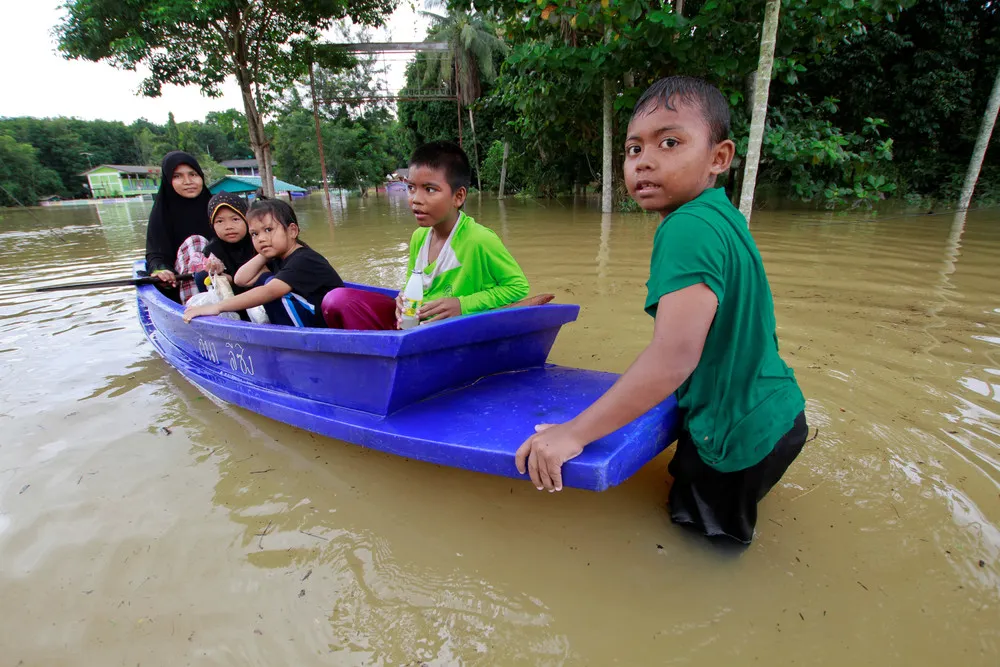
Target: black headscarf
175, 218
233, 255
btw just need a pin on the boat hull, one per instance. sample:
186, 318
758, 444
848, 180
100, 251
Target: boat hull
488, 407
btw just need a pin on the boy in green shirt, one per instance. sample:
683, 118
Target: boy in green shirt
466, 268
714, 340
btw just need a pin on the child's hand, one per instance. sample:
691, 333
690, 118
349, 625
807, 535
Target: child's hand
441, 309
543, 454
192, 312
399, 310
214, 265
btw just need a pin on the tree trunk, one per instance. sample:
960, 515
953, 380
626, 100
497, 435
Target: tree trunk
319, 140
768, 36
258, 139
982, 143
503, 168
475, 151
607, 192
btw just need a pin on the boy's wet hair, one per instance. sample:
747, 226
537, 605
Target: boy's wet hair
696, 92
449, 158
275, 208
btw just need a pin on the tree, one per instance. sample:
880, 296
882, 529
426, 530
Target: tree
23, 180
356, 90
233, 125
762, 86
928, 74
563, 50
985, 131
186, 42
475, 48
426, 121
145, 146
59, 146
173, 133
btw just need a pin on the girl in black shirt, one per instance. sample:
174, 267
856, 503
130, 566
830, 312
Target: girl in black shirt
291, 278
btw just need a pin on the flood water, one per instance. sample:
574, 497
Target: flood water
143, 522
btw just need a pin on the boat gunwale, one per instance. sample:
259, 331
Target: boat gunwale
391, 344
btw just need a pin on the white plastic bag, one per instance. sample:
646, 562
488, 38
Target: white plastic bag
224, 290
212, 296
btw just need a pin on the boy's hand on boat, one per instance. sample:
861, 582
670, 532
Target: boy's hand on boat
543, 454
192, 312
441, 309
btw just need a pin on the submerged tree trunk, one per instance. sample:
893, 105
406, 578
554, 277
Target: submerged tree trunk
475, 151
768, 36
503, 168
982, 143
607, 191
319, 141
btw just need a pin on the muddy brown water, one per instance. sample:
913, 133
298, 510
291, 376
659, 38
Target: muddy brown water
143, 522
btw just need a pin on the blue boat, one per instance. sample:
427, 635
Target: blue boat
465, 392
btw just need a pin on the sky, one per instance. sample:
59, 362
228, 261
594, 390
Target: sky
39, 82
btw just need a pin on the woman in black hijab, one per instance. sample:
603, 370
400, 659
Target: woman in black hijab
179, 212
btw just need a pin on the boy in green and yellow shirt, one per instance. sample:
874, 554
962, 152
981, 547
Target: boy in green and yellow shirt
466, 268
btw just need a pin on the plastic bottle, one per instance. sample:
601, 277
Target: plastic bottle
413, 298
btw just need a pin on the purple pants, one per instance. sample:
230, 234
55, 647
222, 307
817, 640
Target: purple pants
360, 310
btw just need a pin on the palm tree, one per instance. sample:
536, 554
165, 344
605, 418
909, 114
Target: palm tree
475, 47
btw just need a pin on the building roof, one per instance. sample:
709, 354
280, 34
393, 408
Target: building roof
142, 170
240, 164
241, 184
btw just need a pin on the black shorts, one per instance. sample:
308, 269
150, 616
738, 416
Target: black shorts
725, 503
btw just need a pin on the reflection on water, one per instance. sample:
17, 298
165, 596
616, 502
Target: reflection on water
143, 522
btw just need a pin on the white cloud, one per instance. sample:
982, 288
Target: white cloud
37, 81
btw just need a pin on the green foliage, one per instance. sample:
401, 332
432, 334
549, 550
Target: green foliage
426, 121
22, 175
530, 174
928, 73
809, 158
562, 51
69, 146
475, 53
190, 42
61, 147
265, 45
212, 169
233, 126
360, 152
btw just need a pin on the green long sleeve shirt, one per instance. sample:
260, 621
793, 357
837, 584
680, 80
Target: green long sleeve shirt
473, 266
